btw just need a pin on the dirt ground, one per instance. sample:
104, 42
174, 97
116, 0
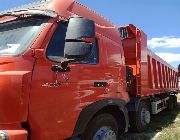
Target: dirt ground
164, 126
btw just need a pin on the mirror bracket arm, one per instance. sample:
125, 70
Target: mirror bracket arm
57, 68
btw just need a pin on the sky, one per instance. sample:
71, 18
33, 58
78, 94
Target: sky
159, 19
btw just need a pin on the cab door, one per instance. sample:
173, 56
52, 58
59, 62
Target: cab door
57, 98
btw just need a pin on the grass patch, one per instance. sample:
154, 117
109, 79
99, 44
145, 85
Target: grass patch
170, 134
172, 131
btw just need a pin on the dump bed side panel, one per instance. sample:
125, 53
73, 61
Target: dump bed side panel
151, 74
162, 77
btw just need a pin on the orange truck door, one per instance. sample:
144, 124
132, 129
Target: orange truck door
55, 107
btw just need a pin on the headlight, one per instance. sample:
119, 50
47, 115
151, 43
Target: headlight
3, 135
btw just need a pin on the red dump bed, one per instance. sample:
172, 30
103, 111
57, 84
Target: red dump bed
151, 74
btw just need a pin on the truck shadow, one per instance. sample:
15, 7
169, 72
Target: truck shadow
158, 123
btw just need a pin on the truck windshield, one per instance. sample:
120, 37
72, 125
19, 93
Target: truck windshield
17, 36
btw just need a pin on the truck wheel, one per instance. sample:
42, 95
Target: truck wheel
175, 101
170, 103
102, 127
139, 120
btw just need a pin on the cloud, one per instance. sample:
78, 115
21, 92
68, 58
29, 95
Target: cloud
164, 42
169, 57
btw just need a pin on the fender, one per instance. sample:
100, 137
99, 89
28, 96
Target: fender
87, 113
14, 96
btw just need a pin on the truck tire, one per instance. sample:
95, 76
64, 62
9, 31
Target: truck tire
170, 103
175, 101
140, 119
102, 127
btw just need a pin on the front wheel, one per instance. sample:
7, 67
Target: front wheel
102, 127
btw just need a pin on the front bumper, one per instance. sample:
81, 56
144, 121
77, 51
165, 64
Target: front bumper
15, 134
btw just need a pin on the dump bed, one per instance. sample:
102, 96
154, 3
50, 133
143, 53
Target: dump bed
151, 74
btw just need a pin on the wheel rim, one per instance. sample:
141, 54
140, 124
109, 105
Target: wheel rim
145, 116
105, 133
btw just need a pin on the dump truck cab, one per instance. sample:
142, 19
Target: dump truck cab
68, 73
46, 89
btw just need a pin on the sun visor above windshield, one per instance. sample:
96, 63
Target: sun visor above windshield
48, 13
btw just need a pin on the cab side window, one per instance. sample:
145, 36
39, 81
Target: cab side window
93, 58
56, 45
57, 42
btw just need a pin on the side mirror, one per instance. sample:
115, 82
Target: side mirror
80, 37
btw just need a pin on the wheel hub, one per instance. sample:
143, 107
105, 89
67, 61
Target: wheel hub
105, 133
145, 116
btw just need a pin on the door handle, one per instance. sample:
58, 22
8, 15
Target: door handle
100, 84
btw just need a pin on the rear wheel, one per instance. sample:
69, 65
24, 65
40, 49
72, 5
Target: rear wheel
172, 102
175, 101
102, 127
139, 120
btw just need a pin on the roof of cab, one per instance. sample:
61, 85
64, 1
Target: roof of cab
61, 7
67, 8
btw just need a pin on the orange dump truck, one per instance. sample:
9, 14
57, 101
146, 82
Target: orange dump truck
68, 73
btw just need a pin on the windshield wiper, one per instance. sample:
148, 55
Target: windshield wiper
32, 12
